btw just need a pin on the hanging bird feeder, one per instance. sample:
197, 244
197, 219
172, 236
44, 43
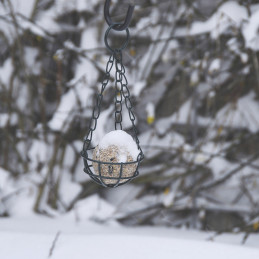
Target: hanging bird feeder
115, 160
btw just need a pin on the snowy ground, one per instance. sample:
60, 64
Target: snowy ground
33, 238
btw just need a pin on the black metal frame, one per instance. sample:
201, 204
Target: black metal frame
122, 91
118, 26
99, 178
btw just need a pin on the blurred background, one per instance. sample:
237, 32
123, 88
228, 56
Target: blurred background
193, 73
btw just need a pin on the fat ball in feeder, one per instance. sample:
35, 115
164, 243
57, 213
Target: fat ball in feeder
115, 160
116, 147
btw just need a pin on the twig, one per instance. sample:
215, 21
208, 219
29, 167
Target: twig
245, 237
218, 233
10, 195
227, 176
54, 244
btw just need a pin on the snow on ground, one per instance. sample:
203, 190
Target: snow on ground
30, 238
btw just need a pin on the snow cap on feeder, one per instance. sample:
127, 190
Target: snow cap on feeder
116, 147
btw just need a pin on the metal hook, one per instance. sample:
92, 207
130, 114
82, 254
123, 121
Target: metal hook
121, 26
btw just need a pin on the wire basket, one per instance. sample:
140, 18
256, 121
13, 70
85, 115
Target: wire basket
110, 174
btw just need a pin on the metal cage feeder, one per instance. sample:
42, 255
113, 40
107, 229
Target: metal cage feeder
108, 173
116, 171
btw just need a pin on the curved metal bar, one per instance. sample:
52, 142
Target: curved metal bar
125, 44
120, 26
110, 163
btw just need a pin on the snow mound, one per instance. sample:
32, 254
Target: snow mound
122, 140
96, 243
250, 32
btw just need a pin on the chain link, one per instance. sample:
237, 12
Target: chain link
121, 91
118, 90
97, 108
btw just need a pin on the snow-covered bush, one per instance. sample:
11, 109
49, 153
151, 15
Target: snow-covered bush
194, 63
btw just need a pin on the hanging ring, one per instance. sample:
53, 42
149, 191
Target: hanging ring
118, 26
106, 39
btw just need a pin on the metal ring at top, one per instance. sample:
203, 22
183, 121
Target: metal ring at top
106, 39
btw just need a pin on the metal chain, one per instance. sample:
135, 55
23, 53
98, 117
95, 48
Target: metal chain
118, 89
121, 92
122, 89
97, 108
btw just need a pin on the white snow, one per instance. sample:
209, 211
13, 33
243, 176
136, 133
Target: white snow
214, 66
35, 28
78, 5
46, 20
138, 87
171, 140
173, 45
250, 32
122, 140
39, 152
6, 71
30, 58
11, 119
220, 166
78, 96
3, 119
33, 238
17, 195
151, 247
242, 114
183, 115
90, 38
194, 78
23, 7
22, 205
93, 208
150, 109
228, 14
4, 175
68, 189
244, 57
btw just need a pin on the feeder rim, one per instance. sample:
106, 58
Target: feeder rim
139, 159
111, 177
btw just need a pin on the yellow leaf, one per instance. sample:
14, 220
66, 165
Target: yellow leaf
182, 62
166, 190
39, 38
220, 130
256, 225
55, 57
192, 84
132, 52
94, 57
150, 119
